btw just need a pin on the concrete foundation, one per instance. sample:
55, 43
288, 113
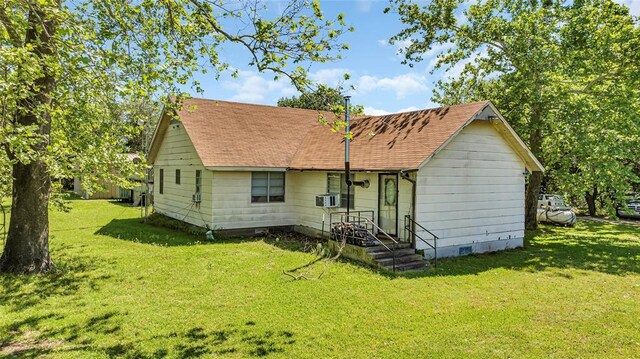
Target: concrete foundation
475, 247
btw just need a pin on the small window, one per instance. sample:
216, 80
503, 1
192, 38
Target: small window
267, 187
198, 181
177, 176
336, 183
161, 189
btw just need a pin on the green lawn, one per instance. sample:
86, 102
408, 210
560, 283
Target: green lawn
124, 289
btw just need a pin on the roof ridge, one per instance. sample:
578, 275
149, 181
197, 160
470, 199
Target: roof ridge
256, 105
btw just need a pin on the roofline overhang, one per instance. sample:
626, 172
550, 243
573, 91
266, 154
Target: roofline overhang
533, 164
290, 169
246, 168
529, 159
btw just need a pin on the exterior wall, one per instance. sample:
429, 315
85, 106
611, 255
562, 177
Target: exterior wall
472, 194
111, 191
233, 208
177, 152
306, 185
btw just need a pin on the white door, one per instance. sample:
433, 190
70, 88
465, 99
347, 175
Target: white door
388, 203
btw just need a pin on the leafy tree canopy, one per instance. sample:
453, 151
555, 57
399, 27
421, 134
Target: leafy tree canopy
323, 98
565, 74
67, 68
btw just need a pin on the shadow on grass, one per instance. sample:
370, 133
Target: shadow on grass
131, 229
49, 334
18, 292
598, 247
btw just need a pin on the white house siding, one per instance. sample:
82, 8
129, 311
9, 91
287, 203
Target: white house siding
471, 194
233, 209
177, 152
306, 185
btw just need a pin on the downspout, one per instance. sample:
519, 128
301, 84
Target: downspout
405, 175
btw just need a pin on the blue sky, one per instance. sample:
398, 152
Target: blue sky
383, 84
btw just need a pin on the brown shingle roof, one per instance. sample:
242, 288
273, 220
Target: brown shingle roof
391, 142
228, 134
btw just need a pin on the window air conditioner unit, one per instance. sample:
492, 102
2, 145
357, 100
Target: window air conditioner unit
196, 198
328, 200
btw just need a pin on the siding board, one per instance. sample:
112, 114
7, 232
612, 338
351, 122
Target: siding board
473, 190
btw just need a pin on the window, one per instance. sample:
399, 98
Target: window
198, 180
161, 189
177, 176
336, 183
267, 187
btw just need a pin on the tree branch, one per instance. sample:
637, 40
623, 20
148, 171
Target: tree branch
6, 22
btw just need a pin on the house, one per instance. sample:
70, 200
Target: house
111, 190
458, 172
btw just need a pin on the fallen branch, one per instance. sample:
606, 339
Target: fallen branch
295, 277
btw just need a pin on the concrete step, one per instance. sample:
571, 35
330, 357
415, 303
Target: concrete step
386, 254
400, 259
381, 248
416, 265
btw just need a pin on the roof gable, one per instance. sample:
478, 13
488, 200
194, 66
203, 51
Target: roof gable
235, 135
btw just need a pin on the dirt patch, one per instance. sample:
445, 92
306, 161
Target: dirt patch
29, 341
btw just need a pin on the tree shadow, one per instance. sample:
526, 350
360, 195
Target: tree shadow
68, 275
36, 336
33, 337
597, 247
133, 230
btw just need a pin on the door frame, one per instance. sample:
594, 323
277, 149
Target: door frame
380, 184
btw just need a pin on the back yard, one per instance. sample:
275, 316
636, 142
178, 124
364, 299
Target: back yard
125, 289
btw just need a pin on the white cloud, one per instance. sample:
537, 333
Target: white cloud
401, 46
329, 77
383, 42
409, 109
402, 85
364, 5
438, 48
372, 111
633, 5
250, 87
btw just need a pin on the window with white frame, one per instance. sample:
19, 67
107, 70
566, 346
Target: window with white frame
336, 183
267, 187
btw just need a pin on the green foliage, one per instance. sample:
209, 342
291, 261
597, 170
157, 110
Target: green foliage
565, 74
126, 289
323, 98
326, 99
112, 60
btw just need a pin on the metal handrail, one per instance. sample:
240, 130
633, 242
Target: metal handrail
379, 230
407, 227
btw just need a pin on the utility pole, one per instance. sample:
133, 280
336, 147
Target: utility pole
347, 169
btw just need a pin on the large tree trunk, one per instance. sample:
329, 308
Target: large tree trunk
531, 201
535, 180
591, 200
27, 246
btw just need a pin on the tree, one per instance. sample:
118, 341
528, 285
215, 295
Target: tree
66, 67
323, 98
540, 62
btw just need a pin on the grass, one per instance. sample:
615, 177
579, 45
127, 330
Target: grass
125, 289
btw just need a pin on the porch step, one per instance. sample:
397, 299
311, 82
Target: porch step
381, 248
388, 261
406, 257
386, 254
415, 265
